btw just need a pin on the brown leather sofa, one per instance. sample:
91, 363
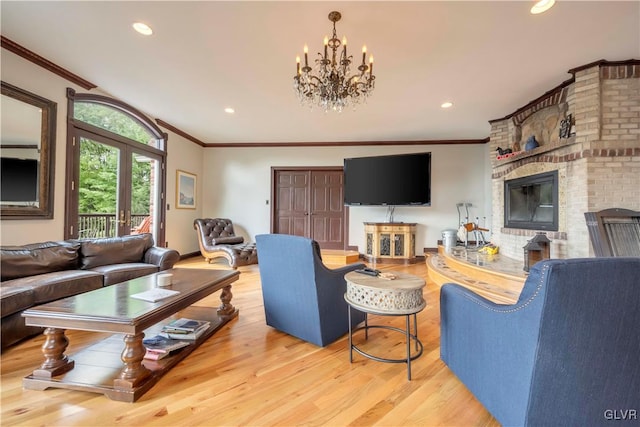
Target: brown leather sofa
217, 239
42, 272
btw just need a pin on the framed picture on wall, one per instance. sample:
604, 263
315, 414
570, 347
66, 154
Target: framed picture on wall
185, 190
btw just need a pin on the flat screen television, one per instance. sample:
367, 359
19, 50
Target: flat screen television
395, 180
19, 180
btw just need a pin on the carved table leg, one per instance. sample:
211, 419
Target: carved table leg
226, 309
134, 372
55, 361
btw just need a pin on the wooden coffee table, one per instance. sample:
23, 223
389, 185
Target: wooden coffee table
112, 309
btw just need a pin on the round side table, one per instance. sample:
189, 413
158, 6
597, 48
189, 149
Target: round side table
399, 297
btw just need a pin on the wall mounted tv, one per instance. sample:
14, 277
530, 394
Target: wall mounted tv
396, 180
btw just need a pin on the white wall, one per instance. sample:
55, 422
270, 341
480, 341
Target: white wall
237, 185
186, 156
487, 207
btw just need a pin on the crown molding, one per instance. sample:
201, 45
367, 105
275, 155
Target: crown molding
346, 143
195, 140
31, 56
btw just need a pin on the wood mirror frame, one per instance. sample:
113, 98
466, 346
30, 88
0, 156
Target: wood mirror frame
46, 159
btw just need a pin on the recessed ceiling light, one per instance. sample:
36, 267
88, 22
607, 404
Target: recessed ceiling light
542, 6
142, 28
229, 110
446, 104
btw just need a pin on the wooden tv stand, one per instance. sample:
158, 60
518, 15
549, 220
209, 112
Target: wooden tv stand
390, 242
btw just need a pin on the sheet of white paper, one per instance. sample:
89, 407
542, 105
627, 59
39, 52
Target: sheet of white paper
153, 295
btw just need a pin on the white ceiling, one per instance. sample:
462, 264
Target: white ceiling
488, 58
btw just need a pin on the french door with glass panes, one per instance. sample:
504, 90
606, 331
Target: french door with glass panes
116, 189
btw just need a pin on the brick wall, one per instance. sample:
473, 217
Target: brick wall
598, 167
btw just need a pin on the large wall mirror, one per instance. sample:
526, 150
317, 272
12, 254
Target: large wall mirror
27, 153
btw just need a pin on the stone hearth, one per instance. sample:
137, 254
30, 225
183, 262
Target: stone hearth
598, 164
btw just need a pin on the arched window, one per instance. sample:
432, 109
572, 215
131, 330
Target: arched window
116, 174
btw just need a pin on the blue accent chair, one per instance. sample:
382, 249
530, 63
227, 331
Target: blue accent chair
566, 354
301, 296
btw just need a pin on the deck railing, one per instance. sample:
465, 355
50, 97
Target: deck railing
103, 224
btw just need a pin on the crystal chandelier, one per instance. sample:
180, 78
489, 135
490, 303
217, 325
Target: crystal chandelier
332, 86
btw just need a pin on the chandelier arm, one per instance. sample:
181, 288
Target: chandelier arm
352, 78
312, 77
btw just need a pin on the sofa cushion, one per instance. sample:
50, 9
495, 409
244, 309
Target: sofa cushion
14, 299
229, 240
60, 284
118, 273
37, 258
116, 250
14, 329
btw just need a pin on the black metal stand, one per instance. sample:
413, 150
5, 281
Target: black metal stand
409, 336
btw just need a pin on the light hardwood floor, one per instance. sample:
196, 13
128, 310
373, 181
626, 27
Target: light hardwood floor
249, 374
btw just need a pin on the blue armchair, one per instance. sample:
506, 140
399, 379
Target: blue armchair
301, 296
567, 353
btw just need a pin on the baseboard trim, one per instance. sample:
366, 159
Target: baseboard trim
189, 255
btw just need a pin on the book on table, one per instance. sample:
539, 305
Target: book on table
160, 346
184, 335
155, 355
185, 325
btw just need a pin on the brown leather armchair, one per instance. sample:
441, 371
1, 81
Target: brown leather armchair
218, 240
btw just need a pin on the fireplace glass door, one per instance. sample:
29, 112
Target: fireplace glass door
531, 202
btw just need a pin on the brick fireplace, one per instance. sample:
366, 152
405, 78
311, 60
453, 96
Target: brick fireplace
597, 160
